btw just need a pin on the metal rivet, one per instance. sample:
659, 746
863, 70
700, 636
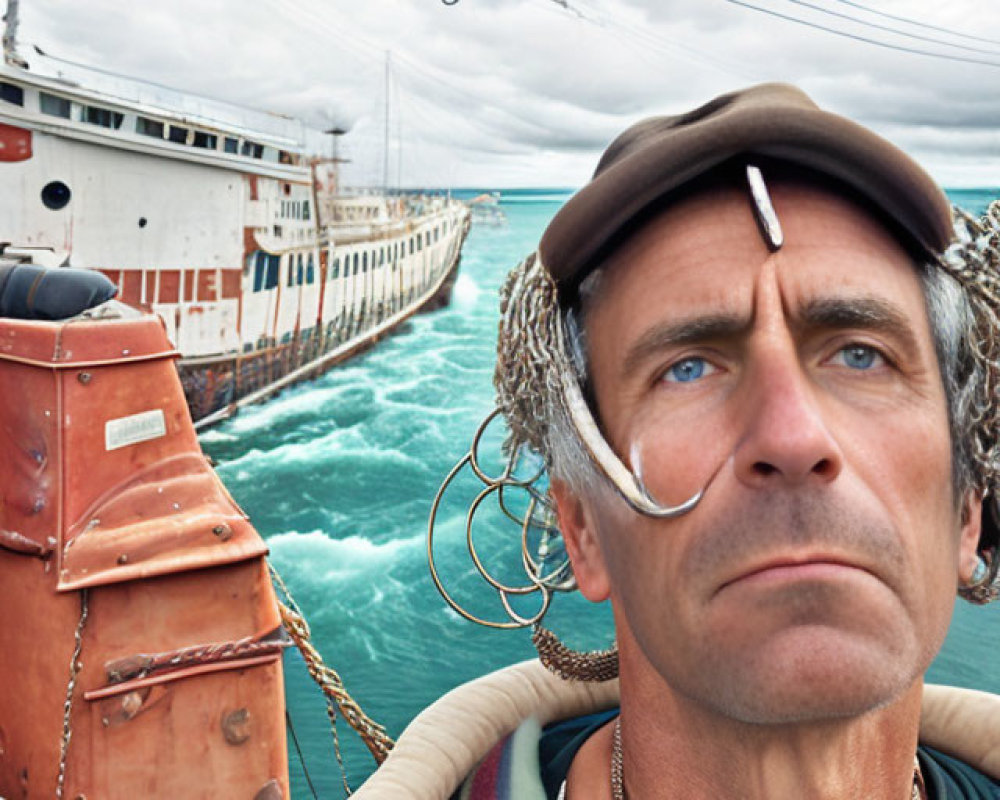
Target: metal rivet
84, 377
224, 532
123, 559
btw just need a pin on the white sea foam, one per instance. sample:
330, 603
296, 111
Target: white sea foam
337, 446
466, 291
214, 436
320, 558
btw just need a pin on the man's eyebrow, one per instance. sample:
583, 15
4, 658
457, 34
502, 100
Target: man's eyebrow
676, 334
865, 312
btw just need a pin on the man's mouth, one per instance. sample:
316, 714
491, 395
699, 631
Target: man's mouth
790, 569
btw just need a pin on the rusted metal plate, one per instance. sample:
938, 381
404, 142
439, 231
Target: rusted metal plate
102, 458
83, 341
172, 516
29, 452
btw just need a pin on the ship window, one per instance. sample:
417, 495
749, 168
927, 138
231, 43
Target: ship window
105, 117
55, 195
305, 209
291, 270
252, 149
355, 264
54, 106
207, 140
381, 256
336, 269
427, 238
420, 242
310, 270
364, 261
149, 127
231, 145
411, 245
267, 153
259, 271
299, 271
178, 134
11, 93
273, 270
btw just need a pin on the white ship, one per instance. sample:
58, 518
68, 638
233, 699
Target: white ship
215, 218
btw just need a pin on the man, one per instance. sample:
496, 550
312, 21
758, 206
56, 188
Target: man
766, 400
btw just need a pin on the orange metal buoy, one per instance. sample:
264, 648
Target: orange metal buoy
118, 541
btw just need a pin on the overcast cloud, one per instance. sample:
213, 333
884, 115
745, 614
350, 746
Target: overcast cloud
527, 92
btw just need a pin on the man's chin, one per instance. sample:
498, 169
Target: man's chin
810, 676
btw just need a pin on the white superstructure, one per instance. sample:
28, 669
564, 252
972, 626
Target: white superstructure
213, 217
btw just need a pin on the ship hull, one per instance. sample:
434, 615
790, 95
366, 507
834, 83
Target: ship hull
215, 388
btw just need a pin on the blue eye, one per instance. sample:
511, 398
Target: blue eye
690, 369
859, 356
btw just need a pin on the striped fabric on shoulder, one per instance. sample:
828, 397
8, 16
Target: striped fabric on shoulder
510, 771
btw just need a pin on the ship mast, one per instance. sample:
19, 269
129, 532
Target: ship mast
385, 137
10, 54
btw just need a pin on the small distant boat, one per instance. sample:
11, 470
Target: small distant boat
485, 209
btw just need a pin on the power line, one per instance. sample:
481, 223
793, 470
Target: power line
890, 29
659, 44
867, 40
937, 28
434, 78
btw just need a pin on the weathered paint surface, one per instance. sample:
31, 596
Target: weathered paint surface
174, 574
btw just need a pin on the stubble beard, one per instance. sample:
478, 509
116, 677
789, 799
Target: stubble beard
828, 656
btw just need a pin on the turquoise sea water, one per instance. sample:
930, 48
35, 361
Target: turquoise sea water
338, 474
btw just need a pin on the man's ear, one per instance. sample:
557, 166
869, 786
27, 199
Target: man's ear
968, 546
579, 531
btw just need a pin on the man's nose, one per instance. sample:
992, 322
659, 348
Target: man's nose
785, 438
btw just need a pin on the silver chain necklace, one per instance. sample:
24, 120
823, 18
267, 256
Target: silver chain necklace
618, 784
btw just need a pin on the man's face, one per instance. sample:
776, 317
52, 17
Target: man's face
817, 575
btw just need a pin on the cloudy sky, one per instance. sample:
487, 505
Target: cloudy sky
527, 92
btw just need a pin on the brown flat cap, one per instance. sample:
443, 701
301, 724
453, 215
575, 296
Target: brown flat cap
773, 121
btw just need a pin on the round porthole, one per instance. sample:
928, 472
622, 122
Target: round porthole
142, 222
56, 195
